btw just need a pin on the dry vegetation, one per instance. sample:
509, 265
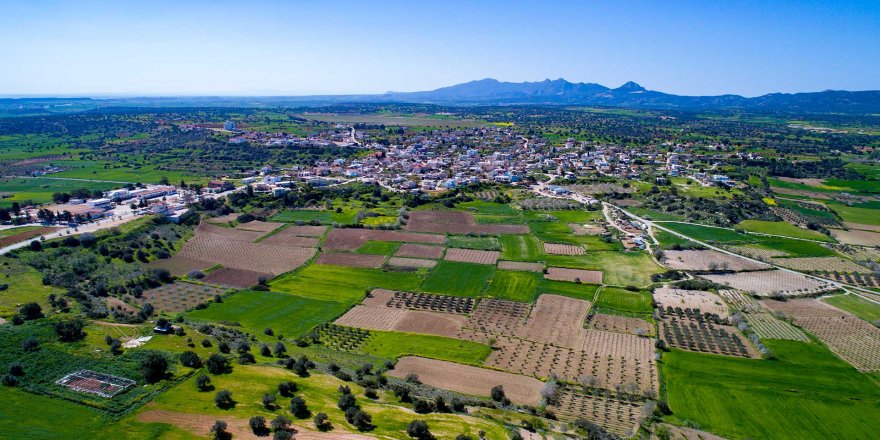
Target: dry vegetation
771, 282
456, 222
472, 256
707, 260
574, 275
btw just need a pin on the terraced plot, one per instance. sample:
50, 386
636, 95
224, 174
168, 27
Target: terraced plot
618, 416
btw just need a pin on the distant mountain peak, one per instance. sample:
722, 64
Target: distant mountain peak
631, 86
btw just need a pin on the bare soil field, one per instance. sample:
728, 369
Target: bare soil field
558, 320
573, 275
282, 239
179, 266
691, 299
228, 233
766, 283
757, 253
588, 229
465, 379
413, 250
803, 193
610, 360
225, 218
27, 235
854, 340
862, 227
809, 264
472, 256
621, 324
259, 226
618, 416
351, 260
179, 296
498, 316
256, 257
236, 278
563, 249
707, 260
352, 239
375, 314
518, 265
456, 222
411, 262
856, 236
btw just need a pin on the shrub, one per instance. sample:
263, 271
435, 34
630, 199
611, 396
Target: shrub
280, 423
258, 425
31, 311
218, 364
154, 367
203, 382
419, 429
421, 406
9, 380
30, 344
497, 393
219, 431
286, 389
190, 359
69, 330
223, 399
269, 401
346, 401
298, 407
16, 369
322, 422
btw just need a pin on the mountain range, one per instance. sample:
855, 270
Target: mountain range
493, 92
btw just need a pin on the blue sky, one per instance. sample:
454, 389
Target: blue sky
316, 47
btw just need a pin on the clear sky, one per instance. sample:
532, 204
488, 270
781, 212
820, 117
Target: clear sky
329, 47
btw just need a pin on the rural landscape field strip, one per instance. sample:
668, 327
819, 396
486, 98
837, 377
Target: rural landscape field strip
705, 302
350, 260
766, 283
707, 260
353, 238
573, 275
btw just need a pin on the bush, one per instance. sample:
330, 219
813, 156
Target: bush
203, 382
298, 407
31, 311
223, 399
69, 330
30, 344
9, 380
322, 422
497, 393
282, 435
16, 369
419, 429
346, 401
218, 364
190, 359
280, 423
286, 389
154, 367
258, 425
219, 431
421, 406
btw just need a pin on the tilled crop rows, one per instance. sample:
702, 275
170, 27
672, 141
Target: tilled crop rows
411, 262
352, 239
375, 314
237, 278
707, 260
705, 302
563, 249
179, 265
620, 324
854, 340
574, 275
770, 282
291, 237
229, 233
858, 279
472, 256
740, 300
414, 250
618, 416
351, 260
456, 222
256, 257
258, 226
836, 264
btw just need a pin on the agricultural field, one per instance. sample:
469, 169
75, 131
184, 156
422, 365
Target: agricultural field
40, 189
867, 310
781, 228
624, 301
771, 282
703, 260
179, 296
455, 278
514, 285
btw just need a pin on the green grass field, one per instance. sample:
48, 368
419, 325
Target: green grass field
347, 285
792, 247
460, 279
521, 248
393, 345
40, 189
781, 228
286, 314
807, 393
854, 214
622, 300
248, 383
618, 268
473, 242
706, 233
856, 305
379, 247
25, 285
345, 217
514, 285
585, 292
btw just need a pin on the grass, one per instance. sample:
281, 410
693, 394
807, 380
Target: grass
460, 279
618, 268
585, 292
514, 285
792, 247
521, 248
667, 239
805, 393
623, 300
487, 243
651, 214
490, 208
248, 384
856, 305
379, 247
286, 314
781, 228
40, 189
346, 285
12, 231
25, 285
393, 345
706, 233
347, 216
854, 214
